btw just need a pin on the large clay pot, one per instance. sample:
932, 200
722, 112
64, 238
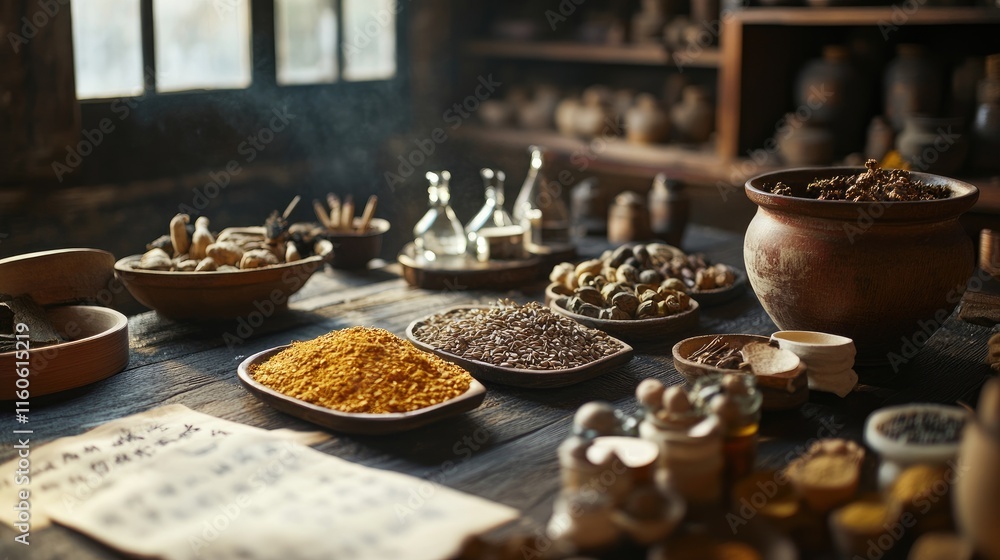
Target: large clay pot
883, 274
933, 145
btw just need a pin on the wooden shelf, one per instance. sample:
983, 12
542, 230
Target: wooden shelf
693, 164
887, 15
568, 51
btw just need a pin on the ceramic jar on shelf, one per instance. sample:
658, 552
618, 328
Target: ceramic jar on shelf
986, 123
646, 122
693, 119
829, 88
933, 145
801, 143
913, 85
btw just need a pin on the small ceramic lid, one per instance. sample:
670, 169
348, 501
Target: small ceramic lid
60, 276
916, 433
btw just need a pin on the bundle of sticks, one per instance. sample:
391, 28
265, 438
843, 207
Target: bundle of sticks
340, 217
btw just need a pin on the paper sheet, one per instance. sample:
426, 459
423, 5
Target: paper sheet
244, 497
66, 471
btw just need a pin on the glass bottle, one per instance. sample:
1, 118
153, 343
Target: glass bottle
539, 207
439, 233
492, 214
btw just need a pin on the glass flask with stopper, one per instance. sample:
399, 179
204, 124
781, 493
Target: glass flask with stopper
439, 234
491, 232
539, 207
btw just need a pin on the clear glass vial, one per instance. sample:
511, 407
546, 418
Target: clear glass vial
439, 233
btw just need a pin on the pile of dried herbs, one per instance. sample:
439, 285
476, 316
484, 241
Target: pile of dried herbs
873, 185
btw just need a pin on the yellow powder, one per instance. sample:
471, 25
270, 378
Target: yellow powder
362, 370
864, 516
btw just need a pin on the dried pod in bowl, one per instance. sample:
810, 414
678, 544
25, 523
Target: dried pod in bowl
704, 280
590, 295
626, 302
200, 239
292, 253
650, 276
206, 264
585, 279
155, 259
619, 256
627, 274
650, 295
610, 290
619, 315
257, 258
186, 265
592, 266
225, 253
560, 274
179, 235
588, 310
647, 310
560, 289
673, 284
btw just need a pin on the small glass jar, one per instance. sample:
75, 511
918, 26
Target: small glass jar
735, 400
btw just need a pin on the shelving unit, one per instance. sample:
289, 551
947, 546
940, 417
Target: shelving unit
568, 51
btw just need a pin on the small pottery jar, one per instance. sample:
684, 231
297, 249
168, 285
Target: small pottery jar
628, 219
538, 113
913, 85
933, 145
589, 206
691, 459
646, 122
802, 254
827, 86
565, 116
648, 22
881, 139
802, 144
669, 210
986, 124
693, 119
595, 116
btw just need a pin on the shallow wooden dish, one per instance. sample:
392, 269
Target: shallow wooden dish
780, 392
97, 349
637, 330
219, 295
352, 422
495, 274
535, 379
719, 296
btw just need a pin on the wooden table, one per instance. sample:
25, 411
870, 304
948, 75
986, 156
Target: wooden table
504, 450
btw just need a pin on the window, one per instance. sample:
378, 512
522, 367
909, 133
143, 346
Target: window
131, 47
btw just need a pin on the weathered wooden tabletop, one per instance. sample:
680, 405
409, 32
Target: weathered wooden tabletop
505, 449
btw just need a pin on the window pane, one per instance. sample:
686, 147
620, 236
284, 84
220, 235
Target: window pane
107, 48
369, 39
201, 44
306, 41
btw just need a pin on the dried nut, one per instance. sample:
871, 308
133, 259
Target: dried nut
155, 259
225, 253
560, 273
640, 288
585, 279
201, 238
178, 233
650, 276
600, 282
673, 305
609, 273
704, 280
649, 393
161, 242
606, 314
619, 315
574, 304
610, 290
650, 295
186, 265
206, 265
599, 417
292, 252
626, 302
676, 400
641, 254
627, 274
674, 284
683, 299
227, 268
723, 276
588, 310
662, 310
606, 255
562, 301
632, 261
619, 255
592, 266
647, 310
560, 289
257, 258
590, 295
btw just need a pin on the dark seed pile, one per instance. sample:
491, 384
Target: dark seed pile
517, 336
926, 428
873, 185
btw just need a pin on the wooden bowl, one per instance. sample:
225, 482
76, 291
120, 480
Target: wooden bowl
219, 295
353, 250
637, 330
355, 422
877, 273
97, 349
780, 392
60, 276
472, 275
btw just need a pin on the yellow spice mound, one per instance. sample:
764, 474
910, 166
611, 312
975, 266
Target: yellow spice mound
362, 370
